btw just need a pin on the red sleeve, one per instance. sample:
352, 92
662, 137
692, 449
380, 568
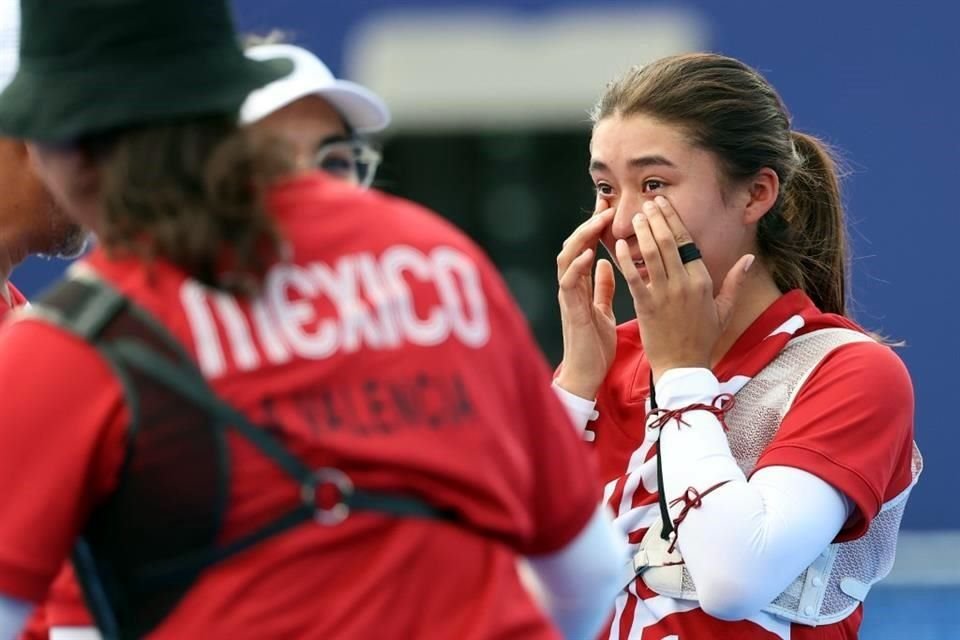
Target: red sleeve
566, 490
61, 444
852, 425
65, 605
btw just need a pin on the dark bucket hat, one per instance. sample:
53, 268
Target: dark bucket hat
91, 66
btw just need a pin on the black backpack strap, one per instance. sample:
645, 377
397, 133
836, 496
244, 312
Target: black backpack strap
80, 305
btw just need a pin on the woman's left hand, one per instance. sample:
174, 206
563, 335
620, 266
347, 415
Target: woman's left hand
680, 319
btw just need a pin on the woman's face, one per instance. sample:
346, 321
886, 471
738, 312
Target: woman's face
636, 158
306, 125
28, 207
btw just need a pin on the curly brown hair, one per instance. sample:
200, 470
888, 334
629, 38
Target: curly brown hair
191, 192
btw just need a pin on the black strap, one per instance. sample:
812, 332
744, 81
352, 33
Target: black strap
661, 497
96, 598
173, 572
80, 306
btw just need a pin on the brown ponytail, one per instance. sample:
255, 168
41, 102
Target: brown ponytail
809, 251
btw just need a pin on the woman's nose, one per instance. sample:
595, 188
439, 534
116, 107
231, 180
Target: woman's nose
622, 225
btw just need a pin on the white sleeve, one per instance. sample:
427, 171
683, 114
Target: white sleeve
13, 616
746, 541
578, 584
579, 409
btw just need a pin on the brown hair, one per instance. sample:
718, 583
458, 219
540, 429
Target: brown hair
728, 108
190, 192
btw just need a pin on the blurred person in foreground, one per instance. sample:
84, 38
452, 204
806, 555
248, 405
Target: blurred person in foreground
285, 407
30, 220
325, 121
756, 444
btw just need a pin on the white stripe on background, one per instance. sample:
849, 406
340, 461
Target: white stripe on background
482, 67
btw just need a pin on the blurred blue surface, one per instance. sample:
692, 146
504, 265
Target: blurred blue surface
912, 613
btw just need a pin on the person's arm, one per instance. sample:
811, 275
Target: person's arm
13, 616
745, 541
580, 410
749, 540
575, 553
579, 582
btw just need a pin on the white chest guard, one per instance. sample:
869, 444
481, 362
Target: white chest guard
836, 582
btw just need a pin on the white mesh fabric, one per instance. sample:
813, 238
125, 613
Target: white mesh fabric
688, 590
789, 600
817, 595
867, 560
763, 402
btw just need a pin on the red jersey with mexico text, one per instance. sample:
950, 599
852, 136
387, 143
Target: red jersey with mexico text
851, 424
387, 348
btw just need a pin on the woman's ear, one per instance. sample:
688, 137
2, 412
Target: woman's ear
763, 189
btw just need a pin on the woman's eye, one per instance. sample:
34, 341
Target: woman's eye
603, 189
652, 185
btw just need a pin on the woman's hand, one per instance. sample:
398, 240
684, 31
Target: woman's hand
586, 308
680, 320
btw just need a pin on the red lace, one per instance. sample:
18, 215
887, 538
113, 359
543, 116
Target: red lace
719, 407
691, 499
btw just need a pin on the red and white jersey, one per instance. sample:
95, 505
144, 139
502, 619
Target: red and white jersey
387, 348
850, 424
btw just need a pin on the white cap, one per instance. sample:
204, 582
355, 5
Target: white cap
363, 110
9, 40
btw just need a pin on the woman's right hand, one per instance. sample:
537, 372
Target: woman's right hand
586, 308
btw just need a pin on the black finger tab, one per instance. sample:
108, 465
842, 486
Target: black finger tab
689, 252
